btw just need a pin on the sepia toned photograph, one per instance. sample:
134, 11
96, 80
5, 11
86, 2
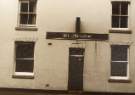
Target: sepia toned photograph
67, 47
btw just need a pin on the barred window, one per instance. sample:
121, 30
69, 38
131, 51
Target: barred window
24, 57
119, 60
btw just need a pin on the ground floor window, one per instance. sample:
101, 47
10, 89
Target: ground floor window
119, 61
24, 57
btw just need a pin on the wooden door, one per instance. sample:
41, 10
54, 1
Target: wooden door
76, 61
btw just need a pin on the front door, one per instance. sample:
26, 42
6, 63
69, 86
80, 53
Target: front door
76, 61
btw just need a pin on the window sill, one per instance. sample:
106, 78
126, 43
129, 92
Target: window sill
20, 28
120, 30
23, 75
119, 80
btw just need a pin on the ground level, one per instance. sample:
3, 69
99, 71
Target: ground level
9, 91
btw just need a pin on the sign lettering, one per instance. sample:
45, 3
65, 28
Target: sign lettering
75, 36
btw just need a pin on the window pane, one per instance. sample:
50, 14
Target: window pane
24, 65
119, 69
116, 8
115, 21
23, 18
119, 52
32, 6
32, 19
124, 22
24, 7
124, 8
25, 50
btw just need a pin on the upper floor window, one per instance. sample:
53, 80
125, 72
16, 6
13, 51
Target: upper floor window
120, 14
27, 13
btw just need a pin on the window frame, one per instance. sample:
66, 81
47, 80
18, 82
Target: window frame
23, 74
128, 16
19, 14
128, 55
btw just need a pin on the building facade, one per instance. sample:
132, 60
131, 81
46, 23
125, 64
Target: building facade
83, 45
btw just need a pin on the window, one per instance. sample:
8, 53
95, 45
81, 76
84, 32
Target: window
120, 14
27, 15
24, 58
119, 61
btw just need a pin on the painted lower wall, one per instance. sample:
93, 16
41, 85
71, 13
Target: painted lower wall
52, 62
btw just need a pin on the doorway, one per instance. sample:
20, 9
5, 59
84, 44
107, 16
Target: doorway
76, 64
